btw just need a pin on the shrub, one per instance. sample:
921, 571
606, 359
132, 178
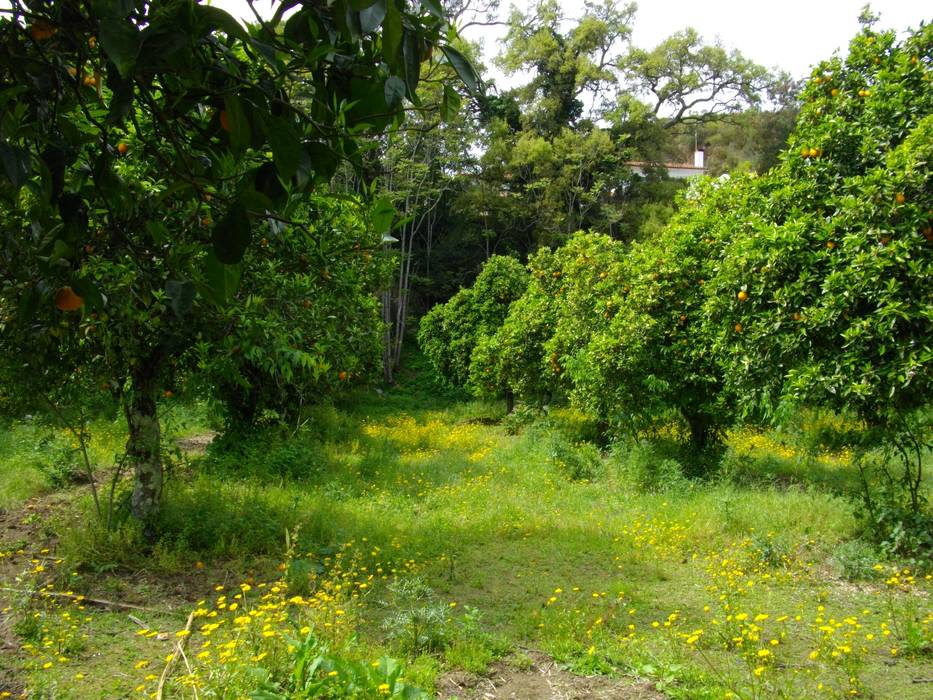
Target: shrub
449, 333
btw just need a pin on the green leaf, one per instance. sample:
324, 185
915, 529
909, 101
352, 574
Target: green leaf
464, 68
222, 280
94, 300
215, 17
392, 35
266, 183
120, 40
286, 146
382, 214
434, 7
450, 104
412, 58
372, 16
158, 231
181, 294
394, 91
322, 159
237, 123
231, 235
15, 164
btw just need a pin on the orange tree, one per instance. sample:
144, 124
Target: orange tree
306, 318
449, 333
650, 361
824, 296
565, 302
145, 148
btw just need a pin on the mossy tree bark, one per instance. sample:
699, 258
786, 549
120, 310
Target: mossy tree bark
143, 449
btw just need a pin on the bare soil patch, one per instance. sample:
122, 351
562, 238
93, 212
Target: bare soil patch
542, 680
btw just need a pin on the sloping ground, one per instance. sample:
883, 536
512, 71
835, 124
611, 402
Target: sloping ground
542, 679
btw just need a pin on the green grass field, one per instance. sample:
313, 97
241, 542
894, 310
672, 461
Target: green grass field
427, 528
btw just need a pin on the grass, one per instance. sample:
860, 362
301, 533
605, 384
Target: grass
448, 542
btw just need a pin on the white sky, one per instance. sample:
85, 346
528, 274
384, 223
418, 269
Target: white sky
791, 34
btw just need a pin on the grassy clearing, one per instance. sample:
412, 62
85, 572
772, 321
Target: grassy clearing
423, 528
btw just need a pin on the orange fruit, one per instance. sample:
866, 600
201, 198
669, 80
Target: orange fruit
92, 42
342, 376
928, 233
168, 393
88, 249
91, 80
834, 92
830, 244
67, 300
797, 316
738, 327
72, 71
123, 148
900, 198
42, 30
805, 151
813, 153
743, 295
224, 124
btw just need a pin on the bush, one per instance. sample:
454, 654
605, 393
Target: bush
449, 333
644, 466
579, 461
855, 560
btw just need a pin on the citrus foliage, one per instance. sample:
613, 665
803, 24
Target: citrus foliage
449, 332
837, 259
307, 320
652, 358
563, 305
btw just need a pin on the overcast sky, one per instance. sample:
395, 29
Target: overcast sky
790, 34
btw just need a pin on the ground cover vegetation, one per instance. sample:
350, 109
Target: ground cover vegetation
674, 440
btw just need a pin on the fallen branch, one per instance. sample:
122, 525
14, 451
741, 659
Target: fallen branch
921, 680
179, 651
83, 599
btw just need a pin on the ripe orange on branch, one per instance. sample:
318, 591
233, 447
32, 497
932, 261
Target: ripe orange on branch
67, 300
42, 30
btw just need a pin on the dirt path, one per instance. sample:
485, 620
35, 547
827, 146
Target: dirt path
542, 680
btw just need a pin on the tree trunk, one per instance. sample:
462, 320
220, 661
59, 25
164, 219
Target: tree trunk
509, 401
700, 430
143, 449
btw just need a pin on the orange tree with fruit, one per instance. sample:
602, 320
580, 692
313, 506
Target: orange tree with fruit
567, 300
147, 151
837, 263
650, 363
306, 322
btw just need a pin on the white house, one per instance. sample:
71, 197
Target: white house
674, 170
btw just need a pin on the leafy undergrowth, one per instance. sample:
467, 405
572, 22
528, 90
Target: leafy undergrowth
436, 538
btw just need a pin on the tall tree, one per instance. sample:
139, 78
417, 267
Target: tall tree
143, 145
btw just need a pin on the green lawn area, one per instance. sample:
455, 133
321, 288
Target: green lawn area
430, 529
